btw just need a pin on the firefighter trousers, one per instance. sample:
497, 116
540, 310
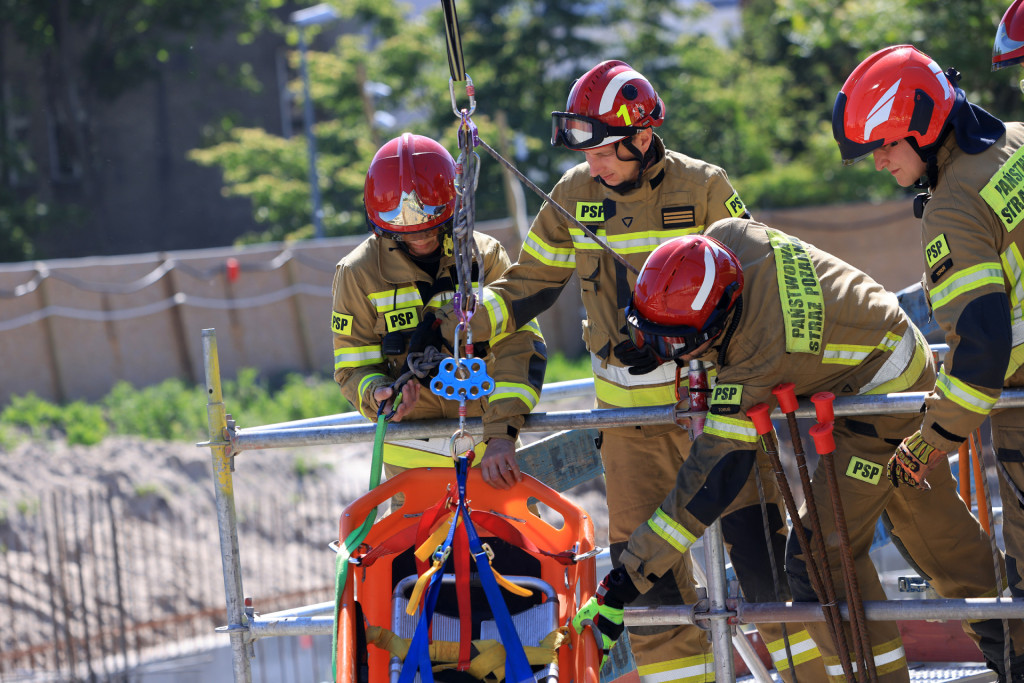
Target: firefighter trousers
935, 528
640, 470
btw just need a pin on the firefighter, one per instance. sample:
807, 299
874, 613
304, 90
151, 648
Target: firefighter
1008, 48
635, 194
928, 135
767, 308
393, 281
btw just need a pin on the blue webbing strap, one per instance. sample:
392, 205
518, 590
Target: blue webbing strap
517, 667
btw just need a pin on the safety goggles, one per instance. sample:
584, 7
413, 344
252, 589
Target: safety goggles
667, 342
579, 132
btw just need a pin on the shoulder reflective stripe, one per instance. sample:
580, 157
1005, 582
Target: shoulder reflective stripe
392, 299
967, 280
730, 428
524, 392
357, 356
801, 646
695, 669
674, 533
496, 311
963, 395
901, 369
1002, 192
558, 257
435, 452
532, 326
803, 305
845, 354
634, 397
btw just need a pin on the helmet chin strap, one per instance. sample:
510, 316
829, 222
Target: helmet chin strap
644, 159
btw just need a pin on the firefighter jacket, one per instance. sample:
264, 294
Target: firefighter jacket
678, 196
806, 317
381, 294
972, 238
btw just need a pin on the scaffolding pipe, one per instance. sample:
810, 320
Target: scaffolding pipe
259, 439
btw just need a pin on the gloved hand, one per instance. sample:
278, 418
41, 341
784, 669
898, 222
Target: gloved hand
913, 461
639, 361
428, 333
603, 612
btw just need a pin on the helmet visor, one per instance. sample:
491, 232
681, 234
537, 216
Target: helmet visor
411, 211
578, 132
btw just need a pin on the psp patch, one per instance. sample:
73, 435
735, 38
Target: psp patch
726, 399
864, 470
937, 256
340, 323
401, 319
590, 212
678, 217
735, 206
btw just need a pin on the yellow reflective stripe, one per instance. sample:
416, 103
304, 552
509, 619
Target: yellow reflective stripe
897, 373
630, 243
890, 341
733, 428
531, 326
846, 354
524, 392
801, 646
361, 389
440, 299
695, 669
403, 297
967, 280
408, 456
1016, 360
963, 394
357, 356
497, 313
888, 657
634, 397
559, 257
674, 533
1013, 266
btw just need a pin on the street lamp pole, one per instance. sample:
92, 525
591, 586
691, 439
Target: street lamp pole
311, 16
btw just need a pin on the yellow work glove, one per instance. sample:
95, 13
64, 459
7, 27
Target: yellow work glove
913, 461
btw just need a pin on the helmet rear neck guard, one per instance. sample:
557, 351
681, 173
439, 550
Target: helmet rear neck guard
898, 92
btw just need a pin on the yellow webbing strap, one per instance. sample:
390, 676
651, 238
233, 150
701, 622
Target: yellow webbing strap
509, 586
424, 552
421, 584
489, 658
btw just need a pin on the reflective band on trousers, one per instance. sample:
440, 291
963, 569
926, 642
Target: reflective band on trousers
433, 452
881, 659
695, 669
801, 647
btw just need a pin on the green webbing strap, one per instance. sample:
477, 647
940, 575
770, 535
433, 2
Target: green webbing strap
356, 537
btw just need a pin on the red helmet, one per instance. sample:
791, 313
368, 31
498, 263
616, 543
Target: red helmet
410, 187
1008, 48
683, 295
608, 103
898, 92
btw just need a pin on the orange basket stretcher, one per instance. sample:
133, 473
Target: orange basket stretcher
554, 564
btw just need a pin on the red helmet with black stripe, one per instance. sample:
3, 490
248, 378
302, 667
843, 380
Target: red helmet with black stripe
610, 102
898, 92
683, 295
410, 188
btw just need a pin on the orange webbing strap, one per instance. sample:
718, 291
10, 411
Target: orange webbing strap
982, 490
964, 472
489, 655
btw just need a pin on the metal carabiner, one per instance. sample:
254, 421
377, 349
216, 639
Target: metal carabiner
396, 400
470, 92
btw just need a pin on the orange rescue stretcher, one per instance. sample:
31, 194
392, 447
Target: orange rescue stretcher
544, 572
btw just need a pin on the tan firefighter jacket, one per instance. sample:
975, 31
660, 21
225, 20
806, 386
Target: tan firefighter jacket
678, 196
378, 290
972, 238
808, 318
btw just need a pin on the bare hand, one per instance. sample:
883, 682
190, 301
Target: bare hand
499, 466
410, 394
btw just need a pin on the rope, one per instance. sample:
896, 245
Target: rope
456, 64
